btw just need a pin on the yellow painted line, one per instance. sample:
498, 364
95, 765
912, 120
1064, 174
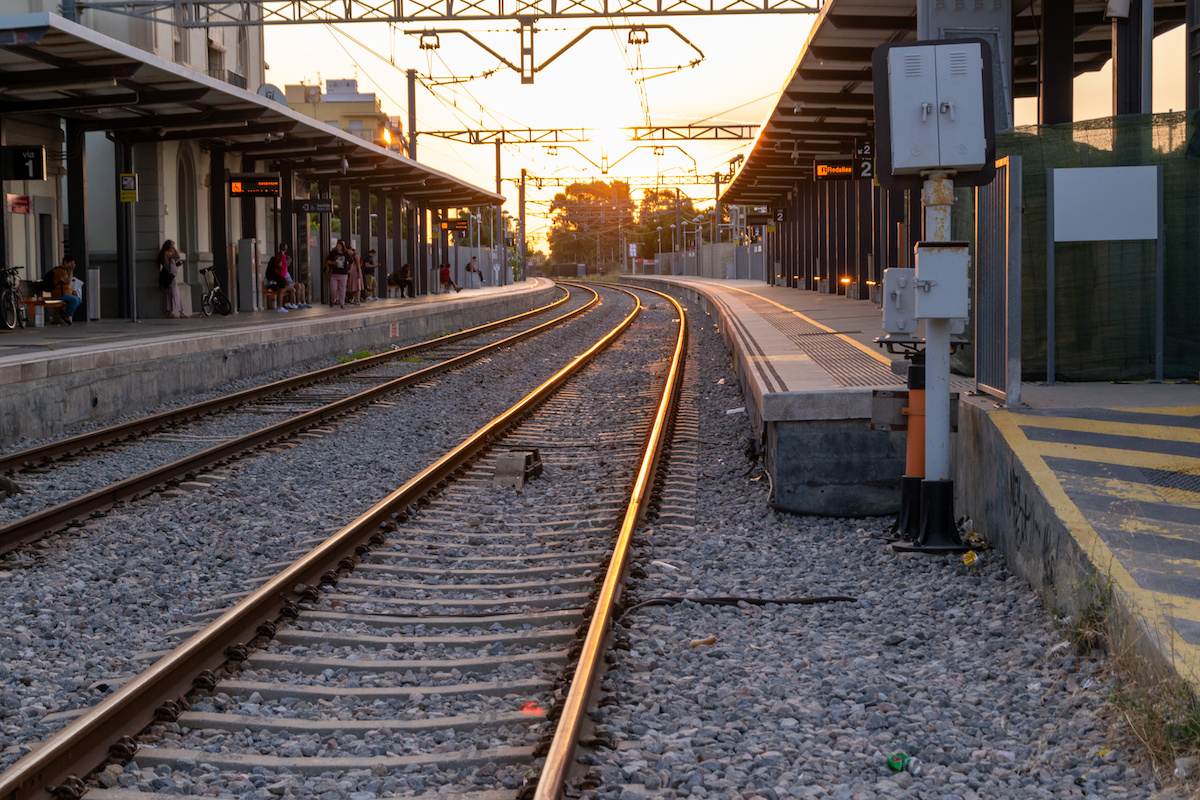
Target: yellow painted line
1111, 455
811, 321
1152, 606
1137, 492
1185, 608
1138, 429
1170, 411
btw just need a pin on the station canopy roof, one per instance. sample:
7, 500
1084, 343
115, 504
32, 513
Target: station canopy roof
827, 101
49, 65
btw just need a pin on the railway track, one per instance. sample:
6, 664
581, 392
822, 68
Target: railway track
459, 635
59, 477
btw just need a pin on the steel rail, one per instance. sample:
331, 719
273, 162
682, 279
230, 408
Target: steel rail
84, 441
561, 754
54, 518
85, 744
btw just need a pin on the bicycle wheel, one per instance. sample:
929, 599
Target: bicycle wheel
22, 313
11, 310
206, 304
223, 306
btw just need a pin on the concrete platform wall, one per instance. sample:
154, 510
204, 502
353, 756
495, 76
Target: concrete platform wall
1011, 511
47, 396
819, 448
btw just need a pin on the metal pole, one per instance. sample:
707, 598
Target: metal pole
938, 532
938, 197
126, 275
1147, 54
412, 114
1160, 250
521, 227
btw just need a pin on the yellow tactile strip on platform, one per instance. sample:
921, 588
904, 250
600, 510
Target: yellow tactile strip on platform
1126, 482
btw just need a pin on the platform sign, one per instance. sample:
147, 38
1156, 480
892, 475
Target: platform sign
864, 159
19, 203
254, 184
129, 187
305, 205
24, 162
833, 168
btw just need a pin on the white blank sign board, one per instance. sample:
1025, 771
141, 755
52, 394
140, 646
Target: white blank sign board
1105, 204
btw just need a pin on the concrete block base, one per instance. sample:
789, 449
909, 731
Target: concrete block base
836, 467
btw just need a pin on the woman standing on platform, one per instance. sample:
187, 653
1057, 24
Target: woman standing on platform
354, 286
338, 264
169, 260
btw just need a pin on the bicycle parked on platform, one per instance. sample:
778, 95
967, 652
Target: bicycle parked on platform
214, 298
12, 305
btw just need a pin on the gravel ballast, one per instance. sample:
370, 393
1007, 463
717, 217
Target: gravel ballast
79, 607
961, 667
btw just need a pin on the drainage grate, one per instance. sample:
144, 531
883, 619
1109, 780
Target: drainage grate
1169, 479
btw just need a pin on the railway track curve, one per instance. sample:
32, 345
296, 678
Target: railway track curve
407, 577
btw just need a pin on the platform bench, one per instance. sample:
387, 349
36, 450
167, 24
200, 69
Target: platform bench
44, 302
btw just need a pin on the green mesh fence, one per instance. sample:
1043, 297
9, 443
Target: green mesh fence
1105, 291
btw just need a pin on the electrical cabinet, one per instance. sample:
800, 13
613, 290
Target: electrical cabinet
899, 300
942, 289
938, 112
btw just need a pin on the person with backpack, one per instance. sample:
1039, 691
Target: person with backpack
169, 260
406, 281
60, 289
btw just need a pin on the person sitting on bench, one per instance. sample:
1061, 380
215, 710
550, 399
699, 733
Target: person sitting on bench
61, 289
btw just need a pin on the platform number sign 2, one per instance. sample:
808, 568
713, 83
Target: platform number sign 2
864, 159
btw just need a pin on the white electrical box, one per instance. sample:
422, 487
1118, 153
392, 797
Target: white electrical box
900, 301
937, 107
942, 288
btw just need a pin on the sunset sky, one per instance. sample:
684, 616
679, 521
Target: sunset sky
593, 85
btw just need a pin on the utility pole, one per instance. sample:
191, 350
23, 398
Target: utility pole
717, 208
521, 227
412, 114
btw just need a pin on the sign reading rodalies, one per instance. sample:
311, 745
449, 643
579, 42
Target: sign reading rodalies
255, 184
837, 168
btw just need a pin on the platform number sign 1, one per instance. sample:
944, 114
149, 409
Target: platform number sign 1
24, 163
864, 159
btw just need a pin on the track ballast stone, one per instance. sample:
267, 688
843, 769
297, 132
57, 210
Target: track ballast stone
961, 667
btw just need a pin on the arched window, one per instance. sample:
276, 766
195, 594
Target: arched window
186, 203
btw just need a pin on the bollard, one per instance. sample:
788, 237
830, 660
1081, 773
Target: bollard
908, 520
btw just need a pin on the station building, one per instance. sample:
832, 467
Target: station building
105, 101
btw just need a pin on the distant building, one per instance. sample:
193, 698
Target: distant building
344, 107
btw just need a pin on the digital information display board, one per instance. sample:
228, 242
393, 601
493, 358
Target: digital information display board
256, 184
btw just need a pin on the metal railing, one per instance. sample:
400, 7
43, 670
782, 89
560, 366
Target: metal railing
229, 76
997, 337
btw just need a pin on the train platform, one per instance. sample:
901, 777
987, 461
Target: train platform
1091, 492
56, 376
